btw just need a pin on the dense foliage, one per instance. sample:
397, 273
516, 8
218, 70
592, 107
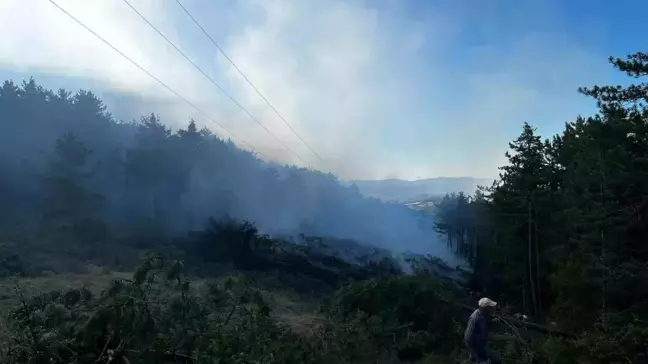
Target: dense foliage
159, 316
427, 307
562, 233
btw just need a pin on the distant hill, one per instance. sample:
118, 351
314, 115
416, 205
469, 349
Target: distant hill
411, 191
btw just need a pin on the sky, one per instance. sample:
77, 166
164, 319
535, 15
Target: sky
378, 88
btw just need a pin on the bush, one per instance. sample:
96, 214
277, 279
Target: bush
154, 317
10, 263
413, 311
158, 316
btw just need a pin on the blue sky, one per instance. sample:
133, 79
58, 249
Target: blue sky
385, 88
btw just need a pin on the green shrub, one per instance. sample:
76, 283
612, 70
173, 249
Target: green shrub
10, 262
412, 310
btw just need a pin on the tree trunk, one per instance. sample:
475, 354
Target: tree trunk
534, 301
449, 237
462, 242
474, 248
603, 257
524, 292
604, 265
537, 256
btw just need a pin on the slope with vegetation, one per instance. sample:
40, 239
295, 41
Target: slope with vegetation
558, 237
562, 233
66, 162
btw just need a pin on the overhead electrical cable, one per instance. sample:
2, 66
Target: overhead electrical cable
212, 81
246, 78
192, 105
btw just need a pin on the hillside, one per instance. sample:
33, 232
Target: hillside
411, 191
244, 264
142, 176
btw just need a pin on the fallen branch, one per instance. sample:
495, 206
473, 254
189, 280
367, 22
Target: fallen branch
170, 355
529, 325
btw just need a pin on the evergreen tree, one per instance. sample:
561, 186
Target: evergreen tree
71, 204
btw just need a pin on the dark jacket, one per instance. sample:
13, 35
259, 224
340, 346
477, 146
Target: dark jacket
476, 335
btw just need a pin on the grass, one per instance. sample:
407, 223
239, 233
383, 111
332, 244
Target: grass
95, 279
288, 307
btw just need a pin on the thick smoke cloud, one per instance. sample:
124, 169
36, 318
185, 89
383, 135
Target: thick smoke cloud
145, 174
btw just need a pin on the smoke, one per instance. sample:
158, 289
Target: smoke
379, 88
177, 180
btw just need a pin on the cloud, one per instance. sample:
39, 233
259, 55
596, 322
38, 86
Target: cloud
376, 88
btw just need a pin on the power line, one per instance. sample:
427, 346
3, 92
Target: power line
211, 80
153, 77
247, 79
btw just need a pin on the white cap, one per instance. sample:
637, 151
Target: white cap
486, 302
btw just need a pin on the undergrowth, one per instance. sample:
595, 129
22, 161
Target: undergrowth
160, 316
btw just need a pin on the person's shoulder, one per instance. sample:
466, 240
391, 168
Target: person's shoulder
476, 314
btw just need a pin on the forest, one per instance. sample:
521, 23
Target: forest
557, 238
64, 157
559, 234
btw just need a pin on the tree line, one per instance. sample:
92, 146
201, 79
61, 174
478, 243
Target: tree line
562, 232
69, 169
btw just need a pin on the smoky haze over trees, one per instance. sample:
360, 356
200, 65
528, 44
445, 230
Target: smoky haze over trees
560, 238
110, 175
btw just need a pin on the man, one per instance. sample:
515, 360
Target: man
476, 335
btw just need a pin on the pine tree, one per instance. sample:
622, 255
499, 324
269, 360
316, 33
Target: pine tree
71, 204
518, 197
147, 165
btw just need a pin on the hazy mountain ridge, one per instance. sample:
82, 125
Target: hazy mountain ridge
411, 191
